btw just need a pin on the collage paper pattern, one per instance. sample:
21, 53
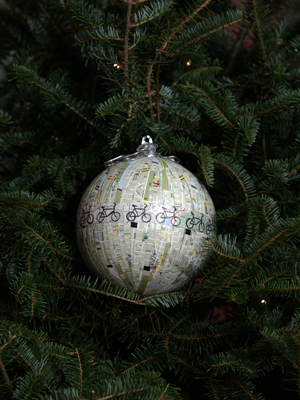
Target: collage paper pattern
142, 224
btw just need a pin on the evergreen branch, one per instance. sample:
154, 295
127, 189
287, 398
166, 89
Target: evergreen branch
149, 13
80, 370
247, 391
289, 99
161, 299
68, 284
163, 392
157, 92
237, 137
200, 37
180, 26
7, 343
121, 394
265, 245
213, 68
138, 302
47, 242
166, 42
233, 173
127, 28
47, 90
258, 30
95, 37
264, 213
53, 23
211, 101
272, 342
5, 118
294, 170
215, 250
23, 358
140, 363
6, 377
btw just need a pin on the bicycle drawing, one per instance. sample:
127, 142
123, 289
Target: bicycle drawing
115, 215
210, 227
138, 212
194, 221
86, 218
167, 214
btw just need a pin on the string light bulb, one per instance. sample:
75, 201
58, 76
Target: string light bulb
116, 65
188, 63
263, 301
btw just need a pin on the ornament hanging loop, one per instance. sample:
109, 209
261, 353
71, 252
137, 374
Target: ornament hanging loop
147, 139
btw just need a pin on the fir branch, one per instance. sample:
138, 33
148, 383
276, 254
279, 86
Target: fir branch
69, 284
269, 339
222, 254
7, 343
265, 245
53, 23
44, 88
48, 244
214, 69
200, 37
80, 371
166, 42
151, 358
149, 13
5, 118
258, 31
127, 28
211, 102
264, 212
118, 394
234, 174
6, 377
163, 392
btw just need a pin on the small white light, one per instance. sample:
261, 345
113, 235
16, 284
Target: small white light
263, 301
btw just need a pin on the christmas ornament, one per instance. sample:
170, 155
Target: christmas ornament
144, 221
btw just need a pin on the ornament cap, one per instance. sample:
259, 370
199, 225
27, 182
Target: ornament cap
146, 149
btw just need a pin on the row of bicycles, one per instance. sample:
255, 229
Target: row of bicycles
140, 212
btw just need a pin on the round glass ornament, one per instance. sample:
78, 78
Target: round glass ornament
143, 223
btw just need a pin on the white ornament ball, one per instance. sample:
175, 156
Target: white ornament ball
143, 224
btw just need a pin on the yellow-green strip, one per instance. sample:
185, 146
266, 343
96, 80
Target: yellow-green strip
143, 284
122, 274
167, 247
148, 185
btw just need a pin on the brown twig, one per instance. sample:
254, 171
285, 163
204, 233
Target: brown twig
6, 377
126, 52
157, 92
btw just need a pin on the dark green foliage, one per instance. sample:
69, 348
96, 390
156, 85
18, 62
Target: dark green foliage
217, 86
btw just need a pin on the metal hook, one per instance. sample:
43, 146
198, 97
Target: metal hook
147, 139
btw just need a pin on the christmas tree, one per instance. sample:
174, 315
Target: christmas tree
216, 84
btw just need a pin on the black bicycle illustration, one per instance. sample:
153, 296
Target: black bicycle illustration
115, 215
194, 221
210, 228
138, 212
167, 214
86, 218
